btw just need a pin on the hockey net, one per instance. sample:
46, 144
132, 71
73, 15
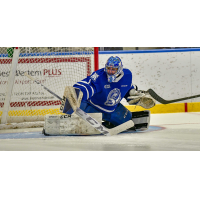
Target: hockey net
54, 67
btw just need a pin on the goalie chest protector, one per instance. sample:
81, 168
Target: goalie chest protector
102, 94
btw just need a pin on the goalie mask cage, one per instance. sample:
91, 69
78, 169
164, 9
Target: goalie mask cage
23, 100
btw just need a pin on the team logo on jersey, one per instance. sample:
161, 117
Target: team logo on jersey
113, 98
94, 76
106, 86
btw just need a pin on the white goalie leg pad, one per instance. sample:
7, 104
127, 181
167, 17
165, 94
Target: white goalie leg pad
70, 125
86, 128
60, 124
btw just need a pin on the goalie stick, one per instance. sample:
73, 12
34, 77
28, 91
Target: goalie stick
163, 101
88, 118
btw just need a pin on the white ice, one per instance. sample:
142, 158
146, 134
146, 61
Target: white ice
177, 132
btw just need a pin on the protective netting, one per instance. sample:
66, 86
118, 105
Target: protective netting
54, 67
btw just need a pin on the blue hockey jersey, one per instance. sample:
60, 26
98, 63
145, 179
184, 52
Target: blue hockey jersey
102, 94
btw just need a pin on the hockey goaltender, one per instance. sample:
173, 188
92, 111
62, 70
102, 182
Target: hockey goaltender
99, 95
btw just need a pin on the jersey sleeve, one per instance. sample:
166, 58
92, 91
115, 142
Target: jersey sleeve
89, 86
132, 87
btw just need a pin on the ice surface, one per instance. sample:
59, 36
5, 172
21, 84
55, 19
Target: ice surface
167, 132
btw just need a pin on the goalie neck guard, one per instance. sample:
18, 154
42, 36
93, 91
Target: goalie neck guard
113, 64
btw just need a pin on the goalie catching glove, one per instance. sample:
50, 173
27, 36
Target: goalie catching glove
141, 98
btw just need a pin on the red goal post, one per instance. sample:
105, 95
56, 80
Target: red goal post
54, 67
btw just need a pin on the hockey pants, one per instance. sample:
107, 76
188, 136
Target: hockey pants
119, 116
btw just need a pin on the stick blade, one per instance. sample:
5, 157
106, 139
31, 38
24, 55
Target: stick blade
121, 128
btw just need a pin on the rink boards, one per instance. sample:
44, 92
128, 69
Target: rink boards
159, 108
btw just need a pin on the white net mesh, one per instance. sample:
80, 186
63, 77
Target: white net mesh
54, 67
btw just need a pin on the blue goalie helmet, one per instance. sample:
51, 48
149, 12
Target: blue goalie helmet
113, 68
